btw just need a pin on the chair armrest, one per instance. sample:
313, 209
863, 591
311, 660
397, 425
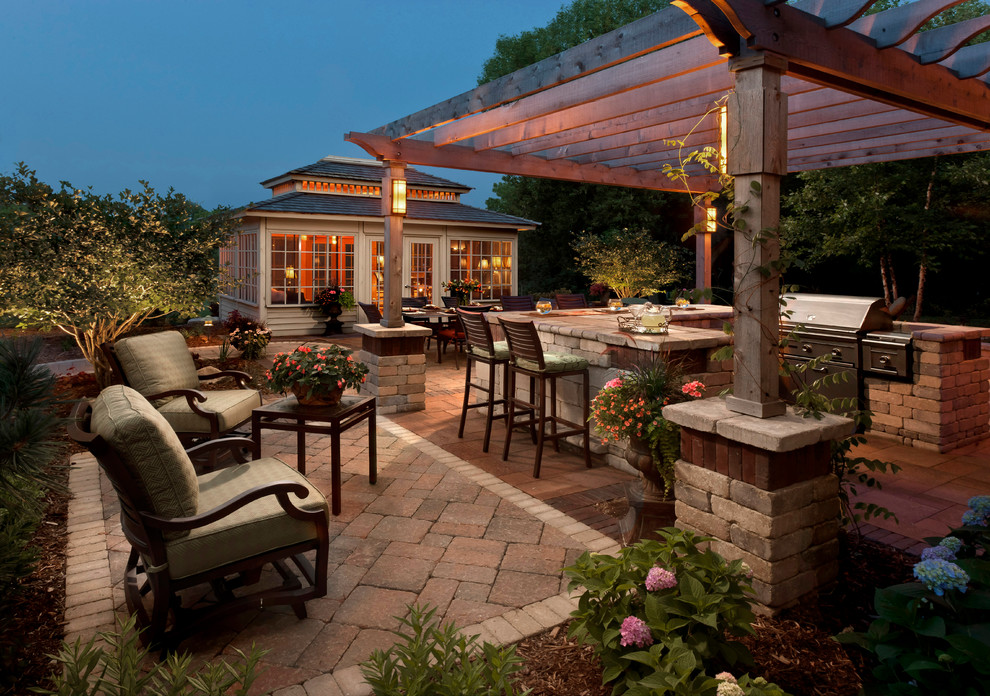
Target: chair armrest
243, 379
280, 489
191, 396
235, 446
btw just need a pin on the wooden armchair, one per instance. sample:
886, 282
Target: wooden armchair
161, 368
217, 529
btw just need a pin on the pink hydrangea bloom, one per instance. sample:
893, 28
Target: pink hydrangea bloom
660, 579
634, 631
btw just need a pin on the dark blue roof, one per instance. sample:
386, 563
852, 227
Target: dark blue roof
338, 169
329, 204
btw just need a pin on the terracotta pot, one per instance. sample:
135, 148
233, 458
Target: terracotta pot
319, 397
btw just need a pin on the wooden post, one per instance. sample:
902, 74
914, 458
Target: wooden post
392, 311
757, 158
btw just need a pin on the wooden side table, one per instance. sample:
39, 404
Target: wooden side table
288, 414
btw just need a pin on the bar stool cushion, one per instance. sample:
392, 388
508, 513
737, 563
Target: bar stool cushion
501, 351
555, 362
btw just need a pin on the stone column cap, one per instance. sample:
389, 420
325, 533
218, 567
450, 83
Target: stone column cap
785, 433
379, 331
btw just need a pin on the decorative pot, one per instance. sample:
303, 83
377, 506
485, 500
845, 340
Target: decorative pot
649, 510
333, 310
323, 396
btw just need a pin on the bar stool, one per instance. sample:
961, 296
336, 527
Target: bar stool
482, 347
526, 357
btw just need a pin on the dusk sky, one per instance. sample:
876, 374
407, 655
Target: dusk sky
212, 97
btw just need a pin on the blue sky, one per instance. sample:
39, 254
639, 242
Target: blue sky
212, 97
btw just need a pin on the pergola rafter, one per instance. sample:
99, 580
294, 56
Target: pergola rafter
810, 85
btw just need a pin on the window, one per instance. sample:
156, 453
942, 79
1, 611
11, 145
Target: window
378, 273
490, 261
304, 264
241, 261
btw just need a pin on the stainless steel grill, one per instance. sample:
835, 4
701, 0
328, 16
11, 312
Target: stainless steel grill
856, 332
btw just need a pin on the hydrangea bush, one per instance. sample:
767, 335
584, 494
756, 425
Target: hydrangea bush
933, 636
663, 616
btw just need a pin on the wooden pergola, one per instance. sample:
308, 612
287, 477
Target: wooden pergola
812, 85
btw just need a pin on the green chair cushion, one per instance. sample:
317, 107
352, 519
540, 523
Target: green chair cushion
150, 449
501, 351
258, 527
158, 362
232, 406
555, 362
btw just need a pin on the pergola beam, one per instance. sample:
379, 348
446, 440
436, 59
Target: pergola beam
422, 152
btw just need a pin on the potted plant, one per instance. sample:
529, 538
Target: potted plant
317, 375
461, 288
332, 301
628, 409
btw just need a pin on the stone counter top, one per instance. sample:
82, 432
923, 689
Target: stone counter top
597, 325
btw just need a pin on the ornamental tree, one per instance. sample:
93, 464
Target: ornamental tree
96, 266
632, 263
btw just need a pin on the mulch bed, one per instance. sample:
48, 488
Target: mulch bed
793, 649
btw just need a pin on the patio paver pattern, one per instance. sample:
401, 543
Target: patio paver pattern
448, 526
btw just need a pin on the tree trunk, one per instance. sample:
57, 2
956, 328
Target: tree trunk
922, 274
104, 330
885, 279
923, 266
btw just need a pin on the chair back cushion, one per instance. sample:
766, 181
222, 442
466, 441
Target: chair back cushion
158, 362
149, 448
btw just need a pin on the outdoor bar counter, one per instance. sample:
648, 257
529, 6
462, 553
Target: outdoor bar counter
694, 334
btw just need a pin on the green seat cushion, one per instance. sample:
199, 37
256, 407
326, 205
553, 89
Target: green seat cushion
149, 448
260, 526
555, 362
501, 351
158, 362
232, 406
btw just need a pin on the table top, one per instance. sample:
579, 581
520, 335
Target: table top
290, 407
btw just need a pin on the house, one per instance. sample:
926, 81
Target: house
323, 225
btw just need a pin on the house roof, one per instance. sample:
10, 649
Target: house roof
860, 88
328, 204
363, 170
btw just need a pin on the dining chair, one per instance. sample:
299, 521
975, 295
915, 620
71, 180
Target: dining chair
571, 301
481, 347
414, 302
527, 358
372, 312
518, 303
449, 301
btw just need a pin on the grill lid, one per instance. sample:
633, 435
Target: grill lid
841, 311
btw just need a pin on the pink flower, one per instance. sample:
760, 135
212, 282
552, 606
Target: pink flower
304, 349
693, 388
634, 631
613, 383
660, 579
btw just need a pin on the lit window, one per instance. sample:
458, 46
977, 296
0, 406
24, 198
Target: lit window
302, 265
489, 261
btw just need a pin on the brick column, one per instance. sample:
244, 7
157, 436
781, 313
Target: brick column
396, 365
763, 488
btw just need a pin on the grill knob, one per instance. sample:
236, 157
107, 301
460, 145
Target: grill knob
837, 353
806, 347
885, 361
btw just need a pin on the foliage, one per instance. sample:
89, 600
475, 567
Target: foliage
326, 367
630, 262
663, 614
330, 294
461, 287
852, 471
631, 405
27, 421
95, 266
932, 637
122, 669
247, 335
430, 660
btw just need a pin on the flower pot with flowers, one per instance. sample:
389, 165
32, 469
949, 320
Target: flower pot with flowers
246, 335
332, 301
461, 288
316, 374
628, 409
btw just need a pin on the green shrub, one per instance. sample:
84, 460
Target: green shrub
932, 637
662, 615
432, 661
119, 670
